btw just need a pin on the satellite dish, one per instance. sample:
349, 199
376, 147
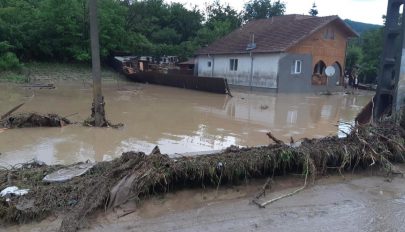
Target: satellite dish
330, 71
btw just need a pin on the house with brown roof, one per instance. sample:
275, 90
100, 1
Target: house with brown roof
286, 53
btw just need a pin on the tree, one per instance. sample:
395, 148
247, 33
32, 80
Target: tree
365, 52
313, 11
354, 56
216, 12
208, 34
260, 9
371, 44
220, 21
184, 22
50, 30
98, 113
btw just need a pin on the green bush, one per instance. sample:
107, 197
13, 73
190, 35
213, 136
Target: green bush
9, 61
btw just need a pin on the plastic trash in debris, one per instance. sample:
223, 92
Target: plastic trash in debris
68, 173
13, 190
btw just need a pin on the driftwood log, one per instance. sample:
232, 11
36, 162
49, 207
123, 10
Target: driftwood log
11, 111
135, 175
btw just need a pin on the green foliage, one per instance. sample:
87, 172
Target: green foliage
314, 10
215, 30
12, 77
354, 55
366, 52
8, 61
58, 30
260, 9
222, 13
5, 46
372, 42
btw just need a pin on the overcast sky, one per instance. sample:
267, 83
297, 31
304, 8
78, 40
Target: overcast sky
368, 11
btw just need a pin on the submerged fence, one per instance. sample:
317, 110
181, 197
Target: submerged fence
208, 84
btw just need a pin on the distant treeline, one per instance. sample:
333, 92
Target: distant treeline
361, 27
58, 30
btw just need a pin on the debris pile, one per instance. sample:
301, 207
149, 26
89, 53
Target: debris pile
136, 175
22, 120
10, 120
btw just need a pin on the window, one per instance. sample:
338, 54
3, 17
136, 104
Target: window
329, 33
233, 64
209, 63
296, 68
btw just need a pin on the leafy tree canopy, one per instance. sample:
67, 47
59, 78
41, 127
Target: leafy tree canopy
365, 52
261, 9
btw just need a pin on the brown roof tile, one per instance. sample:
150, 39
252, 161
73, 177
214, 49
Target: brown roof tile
276, 34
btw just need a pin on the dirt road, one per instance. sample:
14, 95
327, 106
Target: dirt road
366, 204
361, 204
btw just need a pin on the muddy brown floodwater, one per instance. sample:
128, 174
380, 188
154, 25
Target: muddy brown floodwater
178, 120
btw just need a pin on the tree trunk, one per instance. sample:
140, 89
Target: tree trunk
98, 113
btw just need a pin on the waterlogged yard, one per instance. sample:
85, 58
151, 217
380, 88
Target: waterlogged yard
178, 120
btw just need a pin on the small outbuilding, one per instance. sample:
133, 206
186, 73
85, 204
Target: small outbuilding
286, 53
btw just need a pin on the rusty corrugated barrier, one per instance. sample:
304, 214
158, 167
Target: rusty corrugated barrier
207, 84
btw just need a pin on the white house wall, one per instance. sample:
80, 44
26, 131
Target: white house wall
202, 64
265, 69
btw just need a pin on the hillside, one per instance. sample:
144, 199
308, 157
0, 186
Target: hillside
361, 27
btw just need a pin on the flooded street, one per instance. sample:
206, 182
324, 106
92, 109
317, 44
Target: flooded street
178, 120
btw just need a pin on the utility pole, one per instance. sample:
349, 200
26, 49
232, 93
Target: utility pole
97, 111
390, 95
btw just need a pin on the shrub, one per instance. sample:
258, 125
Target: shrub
9, 61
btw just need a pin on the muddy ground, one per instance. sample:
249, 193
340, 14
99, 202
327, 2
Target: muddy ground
362, 202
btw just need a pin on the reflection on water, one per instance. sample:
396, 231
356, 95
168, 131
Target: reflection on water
179, 121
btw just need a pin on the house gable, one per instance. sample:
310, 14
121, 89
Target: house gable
328, 44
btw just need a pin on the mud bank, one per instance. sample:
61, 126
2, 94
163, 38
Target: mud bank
135, 176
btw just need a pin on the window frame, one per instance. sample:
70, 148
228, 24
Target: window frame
209, 64
295, 67
329, 34
233, 64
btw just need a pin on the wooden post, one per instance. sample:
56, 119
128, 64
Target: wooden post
98, 113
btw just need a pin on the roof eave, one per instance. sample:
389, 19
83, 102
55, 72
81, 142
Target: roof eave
238, 53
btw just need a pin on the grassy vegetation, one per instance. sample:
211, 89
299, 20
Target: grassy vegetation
12, 77
38, 71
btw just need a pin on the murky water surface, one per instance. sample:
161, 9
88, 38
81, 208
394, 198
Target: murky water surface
179, 121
